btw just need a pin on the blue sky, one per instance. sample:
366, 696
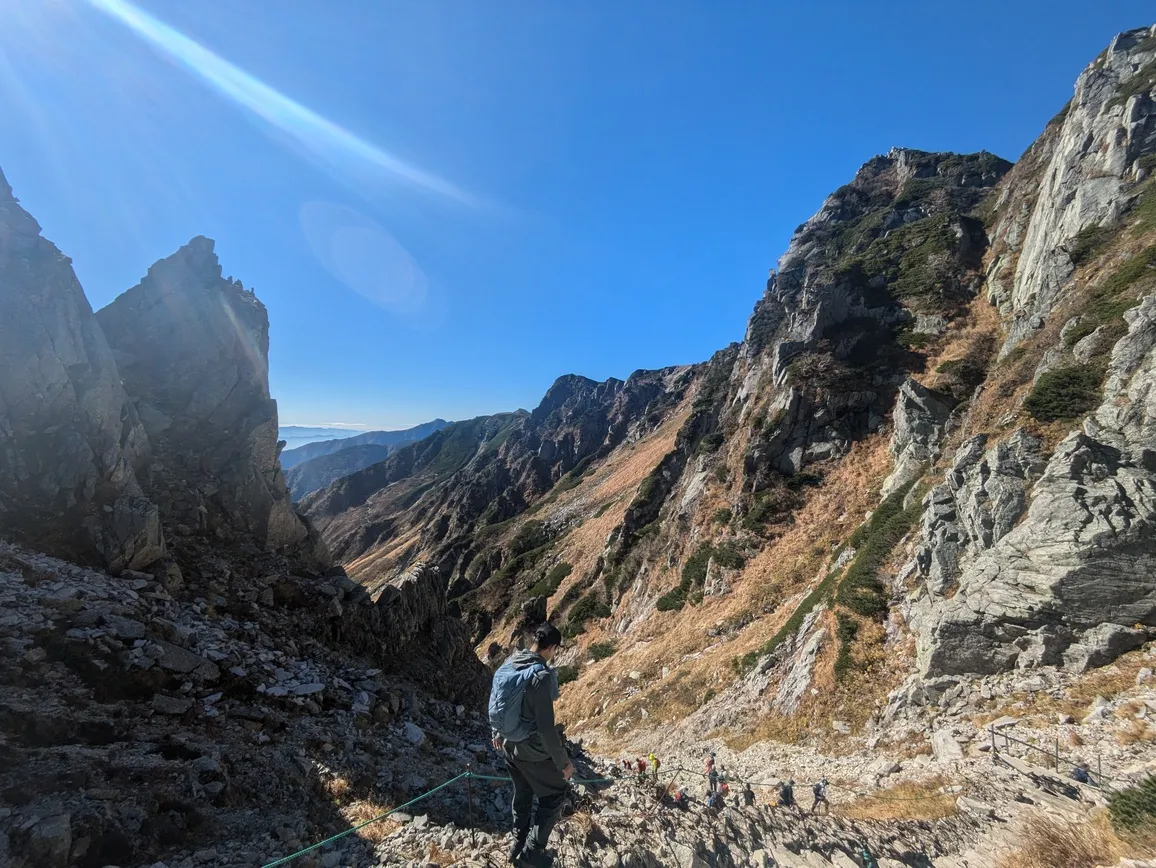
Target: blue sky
445, 205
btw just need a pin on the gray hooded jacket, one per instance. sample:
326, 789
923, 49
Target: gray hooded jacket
544, 743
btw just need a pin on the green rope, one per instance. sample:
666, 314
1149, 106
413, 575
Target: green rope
350, 831
506, 778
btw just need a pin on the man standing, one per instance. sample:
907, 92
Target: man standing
522, 719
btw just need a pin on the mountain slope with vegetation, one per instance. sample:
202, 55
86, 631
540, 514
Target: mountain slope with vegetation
829, 519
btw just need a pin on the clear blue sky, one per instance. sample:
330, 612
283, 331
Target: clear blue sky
445, 205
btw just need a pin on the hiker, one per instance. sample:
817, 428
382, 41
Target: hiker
866, 860
1080, 773
724, 790
712, 780
522, 718
748, 796
654, 764
626, 764
787, 794
820, 792
641, 767
709, 767
681, 799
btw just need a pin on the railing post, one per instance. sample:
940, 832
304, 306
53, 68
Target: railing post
1057, 754
470, 795
991, 729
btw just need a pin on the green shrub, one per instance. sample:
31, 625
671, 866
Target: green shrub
694, 570
1065, 393
590, 606
602, 509
1088, 242
601, 650
723, 515
846, 630
1134, 808
769, 505
861, 590
726, 555
722, 473
566, 674
711, 442
672, 601
552, 580
530, 535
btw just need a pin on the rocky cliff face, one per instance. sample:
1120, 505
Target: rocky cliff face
193, 349
439, 496
1091, 163
72, 442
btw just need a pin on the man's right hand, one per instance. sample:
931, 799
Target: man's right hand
568, 772
498, 743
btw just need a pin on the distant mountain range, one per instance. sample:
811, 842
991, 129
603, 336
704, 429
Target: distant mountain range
318, 464
299, 435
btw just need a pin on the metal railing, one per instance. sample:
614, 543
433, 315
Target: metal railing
1049, 757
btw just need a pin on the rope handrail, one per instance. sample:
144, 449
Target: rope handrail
368, 822
471, 775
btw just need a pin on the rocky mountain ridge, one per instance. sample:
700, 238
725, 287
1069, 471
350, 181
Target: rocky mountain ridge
929, 449
292, 457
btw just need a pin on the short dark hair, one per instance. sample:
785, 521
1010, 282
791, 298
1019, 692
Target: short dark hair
546, 636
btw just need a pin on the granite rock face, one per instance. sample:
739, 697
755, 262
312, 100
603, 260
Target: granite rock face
1072, 583
920, 418
1089, 159
193, 350
70, 440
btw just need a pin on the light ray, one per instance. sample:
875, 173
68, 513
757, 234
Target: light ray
323, 138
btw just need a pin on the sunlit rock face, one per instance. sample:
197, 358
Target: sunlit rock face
193, 349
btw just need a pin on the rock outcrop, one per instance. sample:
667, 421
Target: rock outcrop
193, 351
70, 440
1090, 160
919, 420
1073, 581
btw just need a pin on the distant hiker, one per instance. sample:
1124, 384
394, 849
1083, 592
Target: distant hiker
723, 789
1080, 773
866, 860
714, 800
626, 764
709, 767
654, 764
681, 799
787, 794
748, 795
712, 780
820, 792
522, 719
641, 767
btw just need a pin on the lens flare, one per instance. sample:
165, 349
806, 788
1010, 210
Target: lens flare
333, 145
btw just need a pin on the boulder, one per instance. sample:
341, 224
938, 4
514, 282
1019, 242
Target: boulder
945, 746
50, 841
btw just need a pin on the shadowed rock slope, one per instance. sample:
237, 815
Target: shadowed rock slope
71, 442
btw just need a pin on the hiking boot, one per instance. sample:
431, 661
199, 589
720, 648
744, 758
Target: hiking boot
535, 858
516, 850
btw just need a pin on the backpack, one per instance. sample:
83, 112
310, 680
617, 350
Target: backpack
506, 701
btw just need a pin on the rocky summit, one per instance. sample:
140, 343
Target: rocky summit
899, 538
